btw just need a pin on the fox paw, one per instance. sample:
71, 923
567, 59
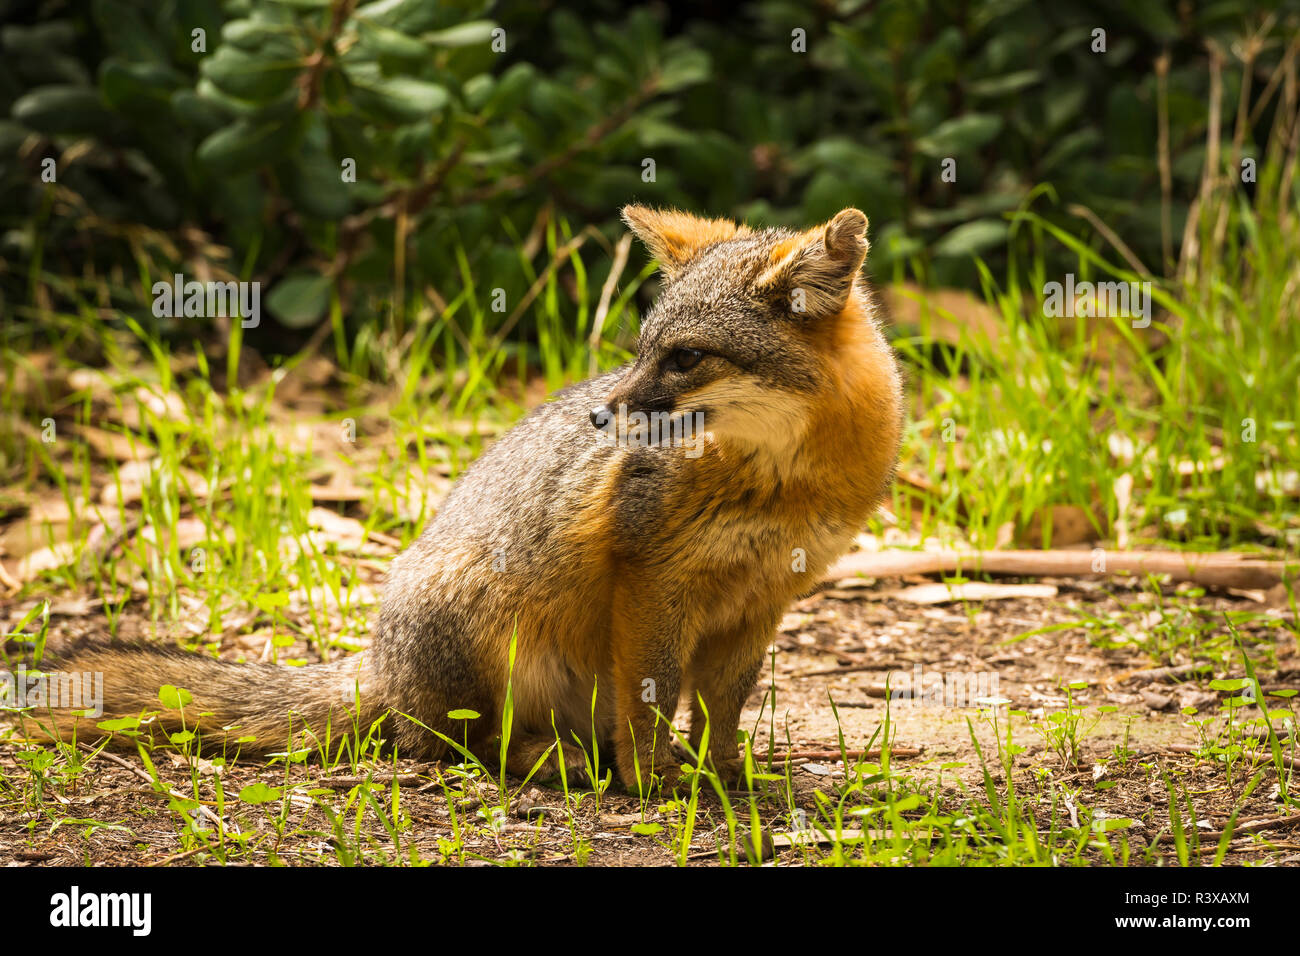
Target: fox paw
669, 777
664, 778
523, 758
731, 770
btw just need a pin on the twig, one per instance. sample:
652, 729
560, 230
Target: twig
342, 782
1288, 171
1083, 212
1213, 569
1250, 49
606, 293
783, 756
594, 135
1189, 254
853, 667
412, 199
1274, 81
1250, 826
1165, 673
561, 254
114, 758
1163, 161
309, 82
176, 857
35, 856
112, 541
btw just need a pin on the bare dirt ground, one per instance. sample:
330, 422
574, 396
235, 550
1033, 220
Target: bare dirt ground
854, 647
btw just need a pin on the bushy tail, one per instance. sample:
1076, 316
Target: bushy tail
256, 708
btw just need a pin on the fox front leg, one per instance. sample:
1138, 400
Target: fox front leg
723, 672
647, 658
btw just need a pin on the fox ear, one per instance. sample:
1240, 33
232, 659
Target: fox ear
813, 273
674, 237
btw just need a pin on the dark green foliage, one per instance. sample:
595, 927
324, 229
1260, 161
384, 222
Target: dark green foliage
188, 128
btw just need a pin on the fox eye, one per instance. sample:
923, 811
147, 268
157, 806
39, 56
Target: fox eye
683, 360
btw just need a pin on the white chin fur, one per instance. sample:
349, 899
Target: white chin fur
769, 422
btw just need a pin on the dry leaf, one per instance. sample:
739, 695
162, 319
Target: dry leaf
134, 476
115, 445
46, 559
348, 533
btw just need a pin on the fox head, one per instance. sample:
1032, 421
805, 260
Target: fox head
738, 340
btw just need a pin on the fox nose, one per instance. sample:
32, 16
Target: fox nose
601, 416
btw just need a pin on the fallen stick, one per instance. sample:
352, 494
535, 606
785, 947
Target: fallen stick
1165, 673
403, 780
35, 856
1248, 826
837, 755
183, 855
1216, 569
849, 669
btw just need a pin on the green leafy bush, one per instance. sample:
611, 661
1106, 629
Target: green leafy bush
306, 140
368, 155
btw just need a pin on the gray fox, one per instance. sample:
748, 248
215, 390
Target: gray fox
635, 539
